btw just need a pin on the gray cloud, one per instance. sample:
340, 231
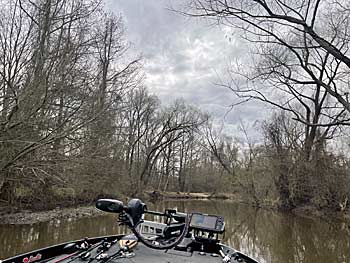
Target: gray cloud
183, 57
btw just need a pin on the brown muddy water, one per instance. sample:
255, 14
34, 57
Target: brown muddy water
265, 235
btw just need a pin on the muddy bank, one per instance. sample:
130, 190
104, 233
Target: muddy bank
310, 211
32, 217
157, 195
29, 217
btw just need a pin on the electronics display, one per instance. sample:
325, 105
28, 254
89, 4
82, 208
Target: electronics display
209, 223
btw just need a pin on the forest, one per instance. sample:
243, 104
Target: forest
77, 122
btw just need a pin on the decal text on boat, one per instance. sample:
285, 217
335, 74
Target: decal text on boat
32, 258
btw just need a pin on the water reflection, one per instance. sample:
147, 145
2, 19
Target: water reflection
266, 235
17, 239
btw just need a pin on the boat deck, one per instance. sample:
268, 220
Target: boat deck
145, 254
133, 251
141, 253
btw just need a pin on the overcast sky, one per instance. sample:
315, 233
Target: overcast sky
184, 57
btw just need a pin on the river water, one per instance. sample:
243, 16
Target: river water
265, 235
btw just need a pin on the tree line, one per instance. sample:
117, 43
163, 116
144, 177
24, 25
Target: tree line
76, 121
299, 66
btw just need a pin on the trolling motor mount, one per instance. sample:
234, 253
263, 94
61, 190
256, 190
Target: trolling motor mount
135, 209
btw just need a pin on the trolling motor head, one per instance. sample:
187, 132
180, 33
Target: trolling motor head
134, 209
110, 205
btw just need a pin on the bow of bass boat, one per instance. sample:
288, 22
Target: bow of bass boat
121, 248
178, 237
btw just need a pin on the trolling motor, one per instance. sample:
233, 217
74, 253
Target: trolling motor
200, 230
131, 215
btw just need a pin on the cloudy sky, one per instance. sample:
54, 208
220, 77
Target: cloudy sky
184, 57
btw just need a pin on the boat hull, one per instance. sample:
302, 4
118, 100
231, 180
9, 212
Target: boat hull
138, 253
44, 254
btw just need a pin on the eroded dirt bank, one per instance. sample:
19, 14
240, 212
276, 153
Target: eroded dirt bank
29, 217
32, 216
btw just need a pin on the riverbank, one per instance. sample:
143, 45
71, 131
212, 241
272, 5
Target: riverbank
308, 211
325, 214
89, 210
30, 217
157, 195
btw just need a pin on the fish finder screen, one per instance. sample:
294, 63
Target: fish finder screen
203, 221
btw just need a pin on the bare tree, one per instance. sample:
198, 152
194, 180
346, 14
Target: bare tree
176, 121
136, 121
48, 84
112, 79
223, 150
301, 67
312, 35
